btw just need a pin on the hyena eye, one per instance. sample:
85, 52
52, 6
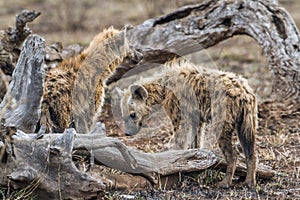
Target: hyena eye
132, 115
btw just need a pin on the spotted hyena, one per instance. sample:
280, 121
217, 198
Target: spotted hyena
192, 97
74, 90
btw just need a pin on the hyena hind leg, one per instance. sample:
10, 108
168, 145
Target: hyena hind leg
251, 162
225, 144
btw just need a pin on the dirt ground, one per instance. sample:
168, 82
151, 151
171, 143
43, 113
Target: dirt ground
278, 140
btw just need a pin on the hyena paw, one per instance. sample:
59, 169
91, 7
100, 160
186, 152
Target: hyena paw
250, 184
223, 184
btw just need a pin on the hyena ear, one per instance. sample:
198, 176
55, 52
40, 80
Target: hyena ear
138, 92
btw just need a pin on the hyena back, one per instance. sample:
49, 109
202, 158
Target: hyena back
74, 90
197, 97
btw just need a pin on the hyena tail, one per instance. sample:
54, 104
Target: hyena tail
246, 128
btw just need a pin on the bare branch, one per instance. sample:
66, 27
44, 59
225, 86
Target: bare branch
196, 27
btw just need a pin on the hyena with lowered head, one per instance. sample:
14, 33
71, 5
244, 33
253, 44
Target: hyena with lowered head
198, 96
74, 90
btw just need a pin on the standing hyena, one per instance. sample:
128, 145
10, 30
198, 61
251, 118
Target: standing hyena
198, 96
74, 90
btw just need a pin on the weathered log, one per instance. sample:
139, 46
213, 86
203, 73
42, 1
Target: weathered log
46, 166
12, 39
196, 27
10, 44
46, 163
23, 101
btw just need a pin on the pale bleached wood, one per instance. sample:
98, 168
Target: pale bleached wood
23, 101
200, 26
42, 163
45, 167
12, 38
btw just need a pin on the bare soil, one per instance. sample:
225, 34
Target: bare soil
278, 140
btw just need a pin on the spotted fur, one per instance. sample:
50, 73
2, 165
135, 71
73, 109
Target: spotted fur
193, 97
74, 90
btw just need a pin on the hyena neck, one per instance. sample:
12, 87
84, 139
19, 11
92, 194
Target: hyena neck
156, 93
105, 60
102, 59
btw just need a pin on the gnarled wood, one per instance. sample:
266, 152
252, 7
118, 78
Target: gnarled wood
10, 44
46, 166
22, 103
196, 27
45, 163
12, 39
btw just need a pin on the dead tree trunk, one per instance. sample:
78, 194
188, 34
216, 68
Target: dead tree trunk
21, 105
10, 44
44, 164
196, 27
45, 168
12, 39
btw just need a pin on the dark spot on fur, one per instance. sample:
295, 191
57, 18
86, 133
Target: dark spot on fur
69, 74
53, 80
217, 94
208, 82
60, 76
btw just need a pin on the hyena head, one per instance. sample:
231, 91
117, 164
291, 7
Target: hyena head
134, 108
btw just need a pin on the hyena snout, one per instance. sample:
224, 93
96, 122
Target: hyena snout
131, 128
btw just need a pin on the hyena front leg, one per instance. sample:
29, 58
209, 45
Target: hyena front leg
199, 140
225, 144
183, 138
185, 134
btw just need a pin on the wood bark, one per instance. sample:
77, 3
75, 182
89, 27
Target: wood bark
23, 101
10, 46
12, 39
196, 27
45, 167
44, 162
